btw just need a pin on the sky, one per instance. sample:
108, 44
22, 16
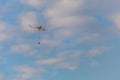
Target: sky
81, 40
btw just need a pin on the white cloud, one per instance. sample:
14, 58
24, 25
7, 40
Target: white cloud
64, 8
24, 49
94, 63
26, 19
63, 33
48, 61
25, 72
62, 12
38, 4
2, 26
97, 51
21, 47
5, 34
64, 16
1, 76
50, 42
69, 21
88, 37
67, 60
33, 3
115, 18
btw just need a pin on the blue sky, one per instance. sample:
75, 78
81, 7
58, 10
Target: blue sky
81, 41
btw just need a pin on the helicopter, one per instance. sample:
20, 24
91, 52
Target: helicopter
39, 28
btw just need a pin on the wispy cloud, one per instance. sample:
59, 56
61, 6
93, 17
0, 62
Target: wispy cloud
89, 37
1, 76
33, 3
3, 32
26, 19
25, 72
68, 60
115, 18
18, 48
62, 13
24, 49
98, 50
69, 24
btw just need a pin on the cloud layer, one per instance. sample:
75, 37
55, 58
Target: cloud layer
74, 29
